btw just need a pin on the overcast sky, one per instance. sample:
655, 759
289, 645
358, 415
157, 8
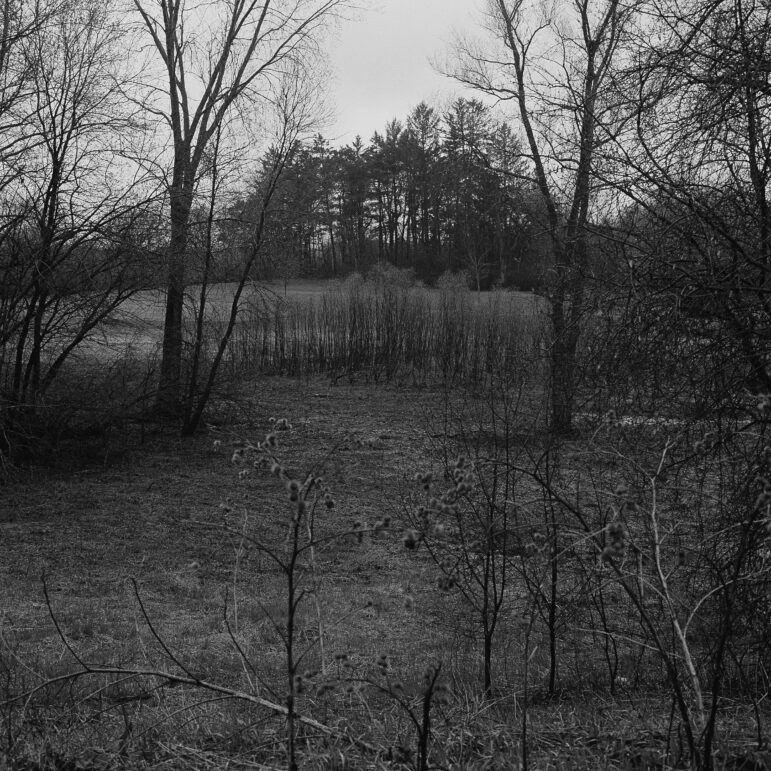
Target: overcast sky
381, 61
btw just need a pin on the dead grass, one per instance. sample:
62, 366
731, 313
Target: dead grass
168, 517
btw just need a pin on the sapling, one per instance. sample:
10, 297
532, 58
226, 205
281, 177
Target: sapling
684, 571
469, 533
295, 558
294, 555
417, 700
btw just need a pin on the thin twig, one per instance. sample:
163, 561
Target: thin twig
59, 630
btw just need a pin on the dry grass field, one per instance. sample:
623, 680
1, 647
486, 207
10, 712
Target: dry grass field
137, 324
148, 567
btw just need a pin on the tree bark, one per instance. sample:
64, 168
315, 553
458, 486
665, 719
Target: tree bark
168, 401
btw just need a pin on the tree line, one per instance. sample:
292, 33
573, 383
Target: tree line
625, 170
119, 126
444, 190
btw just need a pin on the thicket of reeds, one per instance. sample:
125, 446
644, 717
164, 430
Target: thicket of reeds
385, 332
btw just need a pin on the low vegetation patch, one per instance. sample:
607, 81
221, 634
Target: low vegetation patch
379, 330
365, 576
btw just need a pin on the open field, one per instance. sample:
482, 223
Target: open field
163, 598
151, 549
92, 532
275, 316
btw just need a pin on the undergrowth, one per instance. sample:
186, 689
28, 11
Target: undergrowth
384, 332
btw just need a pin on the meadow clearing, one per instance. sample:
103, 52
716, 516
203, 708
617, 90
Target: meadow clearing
165, 602
305, 326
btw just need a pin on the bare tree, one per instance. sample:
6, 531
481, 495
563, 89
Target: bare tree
19, 22
696, 166
555, 66
66, 216
213, 58
295, 110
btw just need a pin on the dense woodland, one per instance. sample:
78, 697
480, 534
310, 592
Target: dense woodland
437, 191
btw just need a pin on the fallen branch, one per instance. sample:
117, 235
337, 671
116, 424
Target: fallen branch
171, 681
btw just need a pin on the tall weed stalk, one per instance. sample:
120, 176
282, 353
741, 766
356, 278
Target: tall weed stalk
387, 333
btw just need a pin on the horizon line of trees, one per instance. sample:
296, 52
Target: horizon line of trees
639, 172
440, 191
118, 125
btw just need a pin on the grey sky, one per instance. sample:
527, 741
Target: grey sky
381, 61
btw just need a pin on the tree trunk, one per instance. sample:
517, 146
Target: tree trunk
553, 597
170, 382
566, 317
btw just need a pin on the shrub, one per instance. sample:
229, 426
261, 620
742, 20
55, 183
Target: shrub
454, 282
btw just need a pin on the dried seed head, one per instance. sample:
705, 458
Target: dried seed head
424, 479
446, 583
608, 553
616, 532
325, 688
410, 540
